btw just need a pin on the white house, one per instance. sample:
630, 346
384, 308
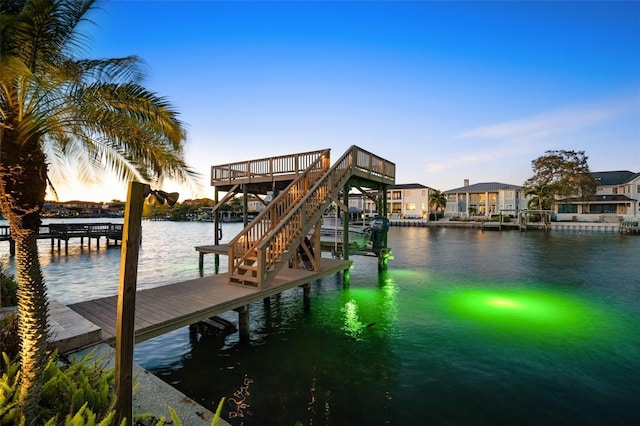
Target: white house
409, 201
617, 194
485, 199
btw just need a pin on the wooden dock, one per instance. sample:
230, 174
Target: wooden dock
166, 308
630, 227
65, 231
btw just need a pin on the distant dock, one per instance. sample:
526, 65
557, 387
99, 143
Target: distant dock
66, 231
630, 227
624, 227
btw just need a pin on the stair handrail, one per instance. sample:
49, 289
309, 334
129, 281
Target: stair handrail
293, 227
245, 243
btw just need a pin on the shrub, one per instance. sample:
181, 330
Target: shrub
8, 288
74, 393
9, 340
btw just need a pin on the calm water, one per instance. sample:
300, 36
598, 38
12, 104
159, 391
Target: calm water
465, 328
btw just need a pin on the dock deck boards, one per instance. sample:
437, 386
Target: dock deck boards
162, 309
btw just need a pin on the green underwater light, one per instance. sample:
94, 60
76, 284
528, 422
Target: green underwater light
526, 313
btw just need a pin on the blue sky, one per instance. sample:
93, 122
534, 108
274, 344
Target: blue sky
446, 90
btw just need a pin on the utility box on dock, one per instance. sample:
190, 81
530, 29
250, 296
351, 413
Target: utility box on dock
379, 229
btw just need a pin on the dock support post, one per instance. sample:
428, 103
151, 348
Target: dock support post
383, 259
306, 296
345, 224
245, 205
201, 261
217, 232
243, 323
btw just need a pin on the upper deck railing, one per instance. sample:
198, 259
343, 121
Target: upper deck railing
264, 169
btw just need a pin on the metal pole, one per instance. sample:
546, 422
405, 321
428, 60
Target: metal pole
125, 320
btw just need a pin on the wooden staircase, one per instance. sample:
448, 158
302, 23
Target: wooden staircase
258, 252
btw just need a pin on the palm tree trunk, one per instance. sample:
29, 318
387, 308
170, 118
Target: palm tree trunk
32, 326
23, 184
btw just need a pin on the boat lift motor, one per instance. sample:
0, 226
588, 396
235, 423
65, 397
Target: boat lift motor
379, 227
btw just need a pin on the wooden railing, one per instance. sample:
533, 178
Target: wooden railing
66, 230
265, 168
244, 264
257, 255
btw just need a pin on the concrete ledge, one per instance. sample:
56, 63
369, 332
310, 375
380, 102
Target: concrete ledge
154, 396
68, 330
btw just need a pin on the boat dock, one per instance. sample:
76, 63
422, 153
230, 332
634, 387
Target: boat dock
66, 231
162, 309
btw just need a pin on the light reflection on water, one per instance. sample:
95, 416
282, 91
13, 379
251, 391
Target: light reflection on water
465, 328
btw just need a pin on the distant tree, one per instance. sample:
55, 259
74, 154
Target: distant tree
182, 212
540, 197
437, 200
561, 174
235, 204
57, 108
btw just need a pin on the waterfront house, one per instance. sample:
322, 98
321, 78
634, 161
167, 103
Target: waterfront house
617, 196
408, 201
485, 199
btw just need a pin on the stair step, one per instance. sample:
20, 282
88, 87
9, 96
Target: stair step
244, 278
248, 268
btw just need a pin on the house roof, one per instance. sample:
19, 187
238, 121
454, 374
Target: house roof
486, 187
614, 178
407, 186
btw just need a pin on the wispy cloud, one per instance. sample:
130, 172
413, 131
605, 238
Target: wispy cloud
554, 122
516, 137
469, 159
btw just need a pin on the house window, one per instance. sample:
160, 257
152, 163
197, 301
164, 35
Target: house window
424, 192
396, 195
568, 208
614, 191
410, 206
407, 193
603, 208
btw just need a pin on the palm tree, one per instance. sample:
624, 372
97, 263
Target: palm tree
55, 107
540, 196
437, 200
